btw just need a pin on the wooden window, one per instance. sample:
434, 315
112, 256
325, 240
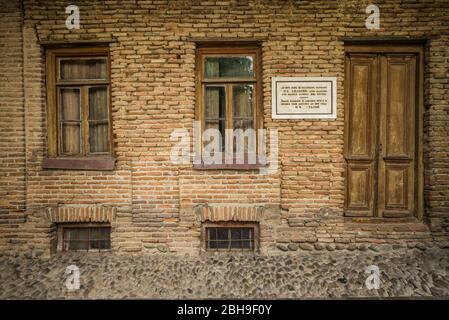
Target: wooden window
229, 97
78, 98
87, 237
231, 236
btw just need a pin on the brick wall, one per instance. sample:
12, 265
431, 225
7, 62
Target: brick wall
153, 74
12, 123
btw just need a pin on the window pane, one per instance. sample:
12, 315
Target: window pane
98, 119
98, 233
70, 117
229, 67
242, 142
247, 238
235, 238
98, 103
246, 233
70, 138
105, 244
236, 233
94, 244
222, 233
99, 137
218, 125
76, 234
215, 111
78, 245
215, 102
78, 68
70, 104
242, 101
242, 108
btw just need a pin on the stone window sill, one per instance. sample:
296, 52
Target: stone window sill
100, 164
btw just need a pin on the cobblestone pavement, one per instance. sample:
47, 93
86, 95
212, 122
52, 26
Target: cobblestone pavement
403, 273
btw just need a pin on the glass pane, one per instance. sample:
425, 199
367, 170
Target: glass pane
217, 125
99, 137
247, 241
223, 237
242, 101
246, 244
246, 233
70, 104
236, 233
95, 233
79, 245
244, 139
235, 237
98, 103
215, 102
105, 244
243, 124
229, 67
70, 138
94, 244
79, 68
212, 245
98, 233
222, 233
215, 111
76, 234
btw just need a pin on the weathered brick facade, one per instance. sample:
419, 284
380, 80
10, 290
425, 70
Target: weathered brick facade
158, 206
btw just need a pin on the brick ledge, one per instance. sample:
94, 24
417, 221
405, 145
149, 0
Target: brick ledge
81, 214
229, 213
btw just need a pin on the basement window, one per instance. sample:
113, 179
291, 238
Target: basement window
231, 237
84, 238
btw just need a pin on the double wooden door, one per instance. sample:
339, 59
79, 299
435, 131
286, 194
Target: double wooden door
381, 141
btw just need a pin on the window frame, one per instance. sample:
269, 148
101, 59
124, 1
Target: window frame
227, 49
86, 160
228, 224
60, 235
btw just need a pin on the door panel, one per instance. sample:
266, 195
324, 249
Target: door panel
359, 193
397, 136
360, 137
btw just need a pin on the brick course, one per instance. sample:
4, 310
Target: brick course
153, 93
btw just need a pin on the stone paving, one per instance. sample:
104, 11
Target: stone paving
312, 274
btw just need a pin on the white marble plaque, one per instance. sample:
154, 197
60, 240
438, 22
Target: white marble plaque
304, 97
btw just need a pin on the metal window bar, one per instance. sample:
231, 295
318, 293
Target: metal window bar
227, 244
89, 240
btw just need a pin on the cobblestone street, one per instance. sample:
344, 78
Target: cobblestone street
338, 274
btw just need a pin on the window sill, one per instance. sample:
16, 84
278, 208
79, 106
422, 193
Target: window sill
228, 166
101, 164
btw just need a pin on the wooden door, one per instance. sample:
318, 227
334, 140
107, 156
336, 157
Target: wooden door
380, 139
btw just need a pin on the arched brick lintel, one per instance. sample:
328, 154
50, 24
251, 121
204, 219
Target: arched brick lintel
229, 213
81, 214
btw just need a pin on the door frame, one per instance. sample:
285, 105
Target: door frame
412, 46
